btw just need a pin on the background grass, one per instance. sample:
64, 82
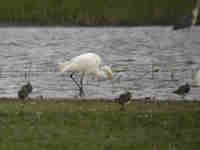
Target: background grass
90, 12
94, 125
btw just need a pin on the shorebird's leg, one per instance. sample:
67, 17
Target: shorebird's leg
122, 107
183, 96
73, 79
82, 93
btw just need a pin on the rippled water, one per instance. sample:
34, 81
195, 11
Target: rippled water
131, 52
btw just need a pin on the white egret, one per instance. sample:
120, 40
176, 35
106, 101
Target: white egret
88, 63
196, 80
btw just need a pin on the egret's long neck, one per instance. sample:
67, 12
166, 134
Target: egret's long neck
101, 74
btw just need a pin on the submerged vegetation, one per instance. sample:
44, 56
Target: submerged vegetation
97, 125
90, 12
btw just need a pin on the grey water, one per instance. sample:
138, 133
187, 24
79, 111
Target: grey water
143, 60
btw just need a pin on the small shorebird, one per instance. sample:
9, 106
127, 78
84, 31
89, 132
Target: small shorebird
123, 99
25, 91
183, 90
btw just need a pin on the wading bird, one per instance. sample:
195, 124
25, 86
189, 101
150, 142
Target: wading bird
183, 90
25, 91
123, 99
187, 21
27, 88
196, 80
88, 63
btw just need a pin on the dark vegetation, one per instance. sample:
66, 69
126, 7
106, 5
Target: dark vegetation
90, 12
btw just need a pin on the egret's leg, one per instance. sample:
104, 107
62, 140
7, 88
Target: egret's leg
79, 86
82, 93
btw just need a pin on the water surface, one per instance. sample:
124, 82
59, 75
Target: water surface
132, 53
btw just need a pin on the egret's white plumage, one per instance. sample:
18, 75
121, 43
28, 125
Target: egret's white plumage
88, 63
196, 80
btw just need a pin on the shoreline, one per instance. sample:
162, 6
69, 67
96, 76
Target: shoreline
87, 26
83, 26
103, 100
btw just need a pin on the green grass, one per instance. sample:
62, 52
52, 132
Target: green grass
93, 12
95, 125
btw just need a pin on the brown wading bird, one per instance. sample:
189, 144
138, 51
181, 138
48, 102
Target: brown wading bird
183, 90
123, 99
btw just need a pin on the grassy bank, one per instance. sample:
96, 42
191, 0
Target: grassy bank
94, 125
90, 12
